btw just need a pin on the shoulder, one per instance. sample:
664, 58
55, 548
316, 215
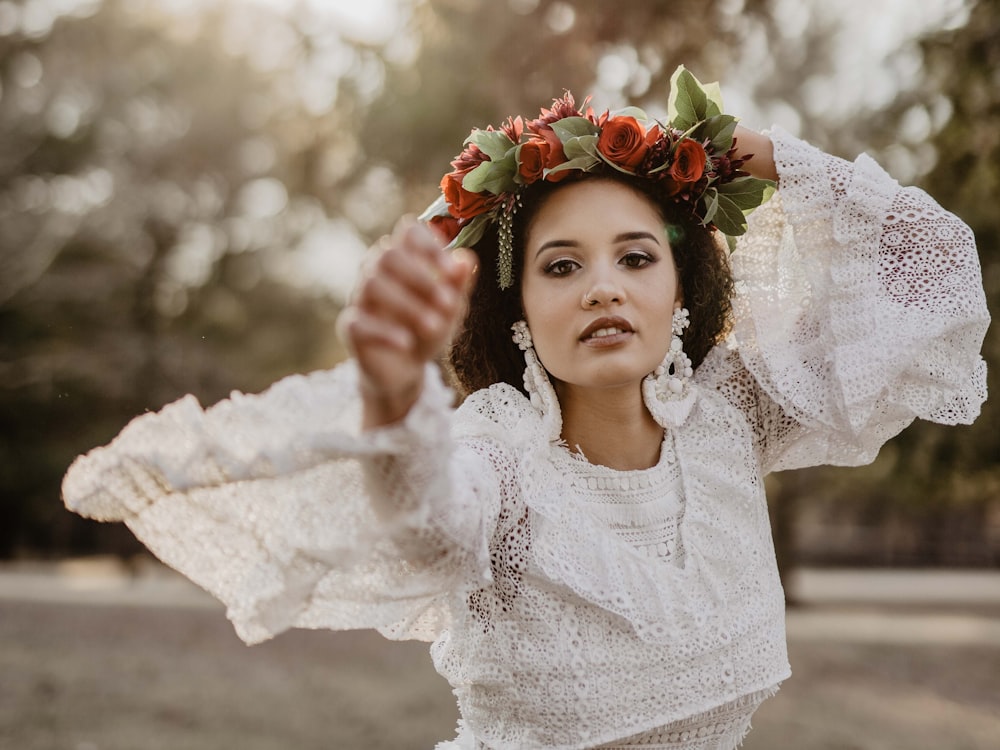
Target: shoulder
721, 365
501, 406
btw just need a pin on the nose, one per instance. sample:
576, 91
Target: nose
603, 290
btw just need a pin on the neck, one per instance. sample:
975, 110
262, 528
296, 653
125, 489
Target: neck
611, 426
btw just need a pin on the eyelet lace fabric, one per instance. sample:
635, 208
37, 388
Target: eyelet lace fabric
571, 606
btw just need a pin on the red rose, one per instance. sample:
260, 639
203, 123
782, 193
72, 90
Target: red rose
554, 156
533, 158
461, 203
689, 162
623, 142
447, 226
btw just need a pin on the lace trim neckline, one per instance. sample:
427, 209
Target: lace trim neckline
626, 485
579, 461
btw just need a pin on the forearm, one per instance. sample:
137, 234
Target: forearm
382, 410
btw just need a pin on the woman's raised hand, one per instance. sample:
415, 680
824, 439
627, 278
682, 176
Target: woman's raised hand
408, 303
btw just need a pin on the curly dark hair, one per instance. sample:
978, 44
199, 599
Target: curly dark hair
482, 352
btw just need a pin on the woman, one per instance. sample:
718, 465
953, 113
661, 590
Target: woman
585, 539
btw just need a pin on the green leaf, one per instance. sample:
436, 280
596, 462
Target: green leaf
687, 103
471, 233
573, 127
474, 179
690, 101
711, 200
438, 208
610, 163
719, 130
713, 92
583, 163
584, 145
494, 143
635, 112
729, 218
494, 176
747, 192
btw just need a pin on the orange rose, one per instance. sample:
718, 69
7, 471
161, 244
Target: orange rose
533, 158
623, 142
461, 203
555, 155
689, 162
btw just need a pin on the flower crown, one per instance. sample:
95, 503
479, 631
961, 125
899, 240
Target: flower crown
692, 156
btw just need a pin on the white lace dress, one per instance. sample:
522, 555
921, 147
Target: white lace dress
570, 605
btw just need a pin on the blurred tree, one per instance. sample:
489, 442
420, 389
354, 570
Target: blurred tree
155, 172
166, 169
933, 495
163, 164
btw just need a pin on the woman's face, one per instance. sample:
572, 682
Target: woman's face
599, 285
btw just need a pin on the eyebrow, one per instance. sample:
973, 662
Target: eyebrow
623, 237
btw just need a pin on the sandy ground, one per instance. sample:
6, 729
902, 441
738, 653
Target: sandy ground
113, 661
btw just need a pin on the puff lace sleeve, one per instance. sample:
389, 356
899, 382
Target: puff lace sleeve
859, 307
279, 505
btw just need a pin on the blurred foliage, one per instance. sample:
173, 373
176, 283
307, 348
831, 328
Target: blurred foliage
933, 494
153, 172
178, 181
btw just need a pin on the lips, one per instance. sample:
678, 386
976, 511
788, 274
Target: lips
606, 329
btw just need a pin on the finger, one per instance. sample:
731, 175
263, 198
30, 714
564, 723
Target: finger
420, 275
417, 237
464, 269
384, 296
421, 240
418, 240
360, 330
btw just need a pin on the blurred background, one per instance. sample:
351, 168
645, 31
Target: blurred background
187, 188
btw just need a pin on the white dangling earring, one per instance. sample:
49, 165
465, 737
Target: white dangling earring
667, 390
673, 373
536, 381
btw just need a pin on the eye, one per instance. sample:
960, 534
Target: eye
561, 267
637, 259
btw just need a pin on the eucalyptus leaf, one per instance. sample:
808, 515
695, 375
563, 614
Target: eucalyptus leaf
690, 100
471, 233
687, 103
574, 127
719, 130
710, 199
583, 163
494, 176
747, 192
610, 163
713, 92
474, 178
729, 219
636, 112
584, 145
494, 143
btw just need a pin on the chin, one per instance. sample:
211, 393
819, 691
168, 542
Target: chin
609, 377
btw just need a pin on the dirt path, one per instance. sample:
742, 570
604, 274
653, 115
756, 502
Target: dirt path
175, 677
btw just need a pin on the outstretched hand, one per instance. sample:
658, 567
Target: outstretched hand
407, 305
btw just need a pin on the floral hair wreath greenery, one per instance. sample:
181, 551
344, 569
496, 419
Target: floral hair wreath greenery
692, 155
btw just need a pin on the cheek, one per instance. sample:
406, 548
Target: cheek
549, 319
543, 304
